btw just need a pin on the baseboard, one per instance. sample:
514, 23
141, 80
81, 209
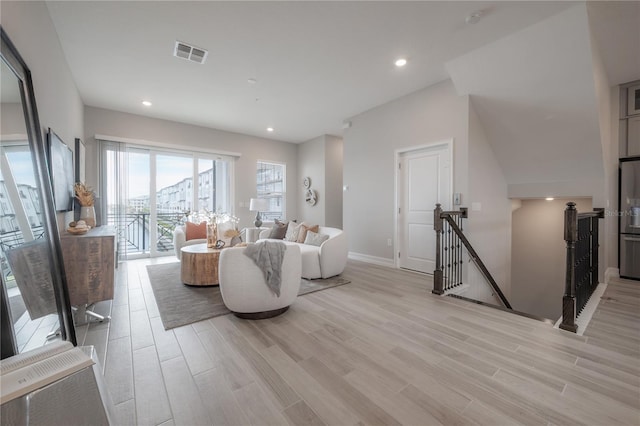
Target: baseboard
611, 273
372, 259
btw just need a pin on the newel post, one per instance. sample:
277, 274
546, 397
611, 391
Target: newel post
569, 298
438, 285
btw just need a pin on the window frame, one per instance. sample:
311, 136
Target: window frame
268, 215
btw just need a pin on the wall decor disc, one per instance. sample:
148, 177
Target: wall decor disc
311, 197
307, 182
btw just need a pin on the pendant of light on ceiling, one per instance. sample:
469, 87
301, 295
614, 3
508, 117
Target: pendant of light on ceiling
400, 62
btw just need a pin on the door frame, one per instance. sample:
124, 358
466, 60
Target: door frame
444, 143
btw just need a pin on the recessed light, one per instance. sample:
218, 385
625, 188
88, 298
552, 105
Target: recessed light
146, 103
549, 198
269, 129
252, 81
401, 62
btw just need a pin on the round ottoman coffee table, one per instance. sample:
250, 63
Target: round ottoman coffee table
199, 265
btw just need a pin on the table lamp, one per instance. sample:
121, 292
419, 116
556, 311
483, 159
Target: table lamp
257, 205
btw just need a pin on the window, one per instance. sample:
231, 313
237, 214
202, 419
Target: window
132, 174
270, 184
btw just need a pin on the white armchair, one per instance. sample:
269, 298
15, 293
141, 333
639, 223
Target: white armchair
180, 240
243, 287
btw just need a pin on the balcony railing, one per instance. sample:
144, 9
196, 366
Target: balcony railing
134, 231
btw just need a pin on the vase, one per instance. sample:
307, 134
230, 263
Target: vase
88, 214
212, 235
235, 240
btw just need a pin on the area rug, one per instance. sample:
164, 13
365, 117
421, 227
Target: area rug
180, 304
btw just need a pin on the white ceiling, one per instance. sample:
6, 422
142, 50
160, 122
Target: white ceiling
316, 63
534, 93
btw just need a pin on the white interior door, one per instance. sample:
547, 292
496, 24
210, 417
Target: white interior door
424, 179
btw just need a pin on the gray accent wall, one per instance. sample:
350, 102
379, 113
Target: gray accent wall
321, 160
131, 126
333, 164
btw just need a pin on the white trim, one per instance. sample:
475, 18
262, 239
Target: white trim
165, 145
372, 259
611, 273
448, 143
590, 308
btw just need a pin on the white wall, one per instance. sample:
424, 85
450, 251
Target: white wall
489, 228
608, 115
124, 125
59, 105
539, 255
429, 115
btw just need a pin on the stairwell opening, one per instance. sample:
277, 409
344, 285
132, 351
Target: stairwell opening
538, 254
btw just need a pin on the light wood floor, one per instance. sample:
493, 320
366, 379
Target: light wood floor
381, 350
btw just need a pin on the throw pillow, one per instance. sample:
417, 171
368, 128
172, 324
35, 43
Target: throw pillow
290, 230
303, 231
195, 231
293, 231
278, 230
315, 239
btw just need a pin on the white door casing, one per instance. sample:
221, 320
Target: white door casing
424, 179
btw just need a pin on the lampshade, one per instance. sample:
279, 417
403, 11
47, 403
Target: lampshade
259, 204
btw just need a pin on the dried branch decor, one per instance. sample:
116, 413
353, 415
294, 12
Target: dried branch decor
84, 194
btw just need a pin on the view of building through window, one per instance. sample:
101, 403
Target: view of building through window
270, 178
19, 201
183, 183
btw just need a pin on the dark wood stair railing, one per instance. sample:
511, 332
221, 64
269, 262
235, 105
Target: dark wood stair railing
449, 241
581, 279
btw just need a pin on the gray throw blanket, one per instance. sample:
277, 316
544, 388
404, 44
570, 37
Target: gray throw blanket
268, 255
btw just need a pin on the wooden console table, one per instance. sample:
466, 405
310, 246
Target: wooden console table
89, 263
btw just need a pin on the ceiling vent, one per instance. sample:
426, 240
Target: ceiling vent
190, 53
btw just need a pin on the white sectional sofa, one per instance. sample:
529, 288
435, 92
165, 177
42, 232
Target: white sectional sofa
325, 261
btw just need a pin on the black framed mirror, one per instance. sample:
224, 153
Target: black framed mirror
34, 301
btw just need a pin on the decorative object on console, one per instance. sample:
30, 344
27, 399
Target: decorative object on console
86, 199
78, 228
257, 205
